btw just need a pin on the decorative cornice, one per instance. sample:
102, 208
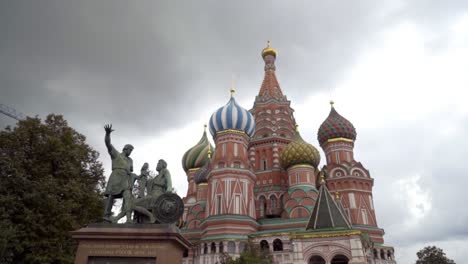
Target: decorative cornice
326, 235
339, 139
228, 131
225, 238
301, 166
193, 169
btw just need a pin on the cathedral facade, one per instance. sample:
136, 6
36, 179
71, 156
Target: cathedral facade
261, 184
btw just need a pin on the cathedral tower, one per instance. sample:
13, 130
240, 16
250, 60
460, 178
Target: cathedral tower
275, 128
300, 159
230, 180
347, 176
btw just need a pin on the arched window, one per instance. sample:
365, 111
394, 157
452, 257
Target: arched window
273, 202
316, 260
264, 246
231, 247
376, 254
213, 248
221, 247
219, 205
205, 249
241, 247
389, 254
382, 254
262, 202
185, 254
339, 259
277, 245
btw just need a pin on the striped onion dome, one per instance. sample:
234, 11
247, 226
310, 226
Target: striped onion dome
299, 152
232, 116
335, 126
197, 156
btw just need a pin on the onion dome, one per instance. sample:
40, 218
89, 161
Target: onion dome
299, 152
197, 156
269, 51
232, 116
336, 126
201, 175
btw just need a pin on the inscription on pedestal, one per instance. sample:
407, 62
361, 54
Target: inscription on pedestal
121, 260
121, 249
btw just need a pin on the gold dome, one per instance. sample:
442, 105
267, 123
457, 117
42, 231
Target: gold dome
269, 51
299, 152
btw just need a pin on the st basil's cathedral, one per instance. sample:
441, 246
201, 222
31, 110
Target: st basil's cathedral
261, 184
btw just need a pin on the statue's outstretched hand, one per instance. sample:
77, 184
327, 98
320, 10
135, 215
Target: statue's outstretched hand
108, 128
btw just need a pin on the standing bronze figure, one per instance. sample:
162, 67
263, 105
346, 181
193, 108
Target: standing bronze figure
119, 184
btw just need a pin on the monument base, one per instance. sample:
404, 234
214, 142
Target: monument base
129, 243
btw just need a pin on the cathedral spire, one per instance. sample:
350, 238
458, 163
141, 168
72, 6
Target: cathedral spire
270, 86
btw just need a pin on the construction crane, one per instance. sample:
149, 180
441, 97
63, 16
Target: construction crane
11, 112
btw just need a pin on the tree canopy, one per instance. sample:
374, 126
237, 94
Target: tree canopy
252, 254
50, 184
432, 255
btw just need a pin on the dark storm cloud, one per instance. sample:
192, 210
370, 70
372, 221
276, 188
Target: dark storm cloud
150, 65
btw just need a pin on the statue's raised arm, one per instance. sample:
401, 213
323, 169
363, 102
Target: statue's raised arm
107, 139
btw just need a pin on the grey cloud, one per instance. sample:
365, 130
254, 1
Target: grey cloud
150, 65
398, 152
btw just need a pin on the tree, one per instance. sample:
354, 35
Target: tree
252, 255
432, 255
51, 183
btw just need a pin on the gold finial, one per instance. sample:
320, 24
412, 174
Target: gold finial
322, 178
209, 151
232, 90
332, 103
269, 50
204, 126
337, 195
296, 127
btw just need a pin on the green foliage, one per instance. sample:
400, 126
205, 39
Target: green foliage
251, 255
432, 255
50, 184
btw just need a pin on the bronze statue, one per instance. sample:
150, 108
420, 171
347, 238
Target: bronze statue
159, 203
130, 204
142, 180
118, 185
162, 183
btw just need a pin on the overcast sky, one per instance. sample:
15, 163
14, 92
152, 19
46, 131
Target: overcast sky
157, 70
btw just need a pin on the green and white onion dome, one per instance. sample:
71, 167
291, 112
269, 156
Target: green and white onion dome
197, 155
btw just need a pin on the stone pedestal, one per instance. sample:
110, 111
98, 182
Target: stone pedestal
129, 243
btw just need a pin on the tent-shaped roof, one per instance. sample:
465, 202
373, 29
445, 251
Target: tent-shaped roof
326, 213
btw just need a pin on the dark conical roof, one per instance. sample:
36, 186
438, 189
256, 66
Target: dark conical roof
326, 213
